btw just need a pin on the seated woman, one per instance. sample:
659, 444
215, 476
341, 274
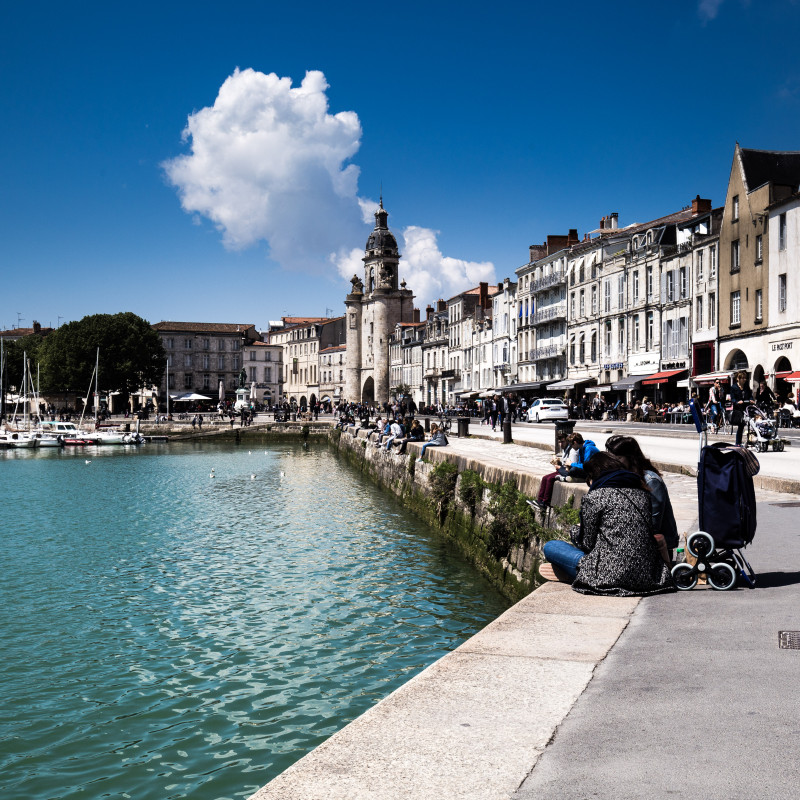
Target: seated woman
627, 449
416, 433
613, 551
438, 439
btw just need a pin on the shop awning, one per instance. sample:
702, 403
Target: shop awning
570, 383
662, 377
603, 387
709, 377
793, 377
528, 387
783, 374
631, 382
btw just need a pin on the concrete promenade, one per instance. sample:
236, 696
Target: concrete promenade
567, 696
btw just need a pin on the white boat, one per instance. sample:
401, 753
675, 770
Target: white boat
9, 438
66, 432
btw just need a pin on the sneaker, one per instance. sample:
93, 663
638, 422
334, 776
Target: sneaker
536, 504
419, 461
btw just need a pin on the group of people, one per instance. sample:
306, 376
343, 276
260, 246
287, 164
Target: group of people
627, 527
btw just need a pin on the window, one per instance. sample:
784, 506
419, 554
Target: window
206, 344
620, 292
735, 215
171, 382
170, 343
220, 344
650, 280
582, 350
594, 348
205, 361
759, 248
670, 286
582, 303
572, 351
235, 364
712, 262
759, 305
252, 355
735, 256
782, 232
220, 362
267, 374
649, 333
736, 310
698, 316
572, 305
621, 338
206, 381
187, 381
594, 299
253, 374
782, 292
699, 265
712, 309
636, 286
683, 283
606, 295
636, 332
235, 345
187, 344
607, 351
187, 360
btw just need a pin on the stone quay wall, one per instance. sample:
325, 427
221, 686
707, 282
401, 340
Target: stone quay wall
467, 526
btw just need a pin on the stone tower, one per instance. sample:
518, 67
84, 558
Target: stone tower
374, 306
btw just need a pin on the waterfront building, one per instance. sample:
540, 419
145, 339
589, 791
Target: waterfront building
504, 334
405, 355
302, 340
331, 373
374, 306
435, 355
264, 364
760, 181
201, 354
463, 311
542, 313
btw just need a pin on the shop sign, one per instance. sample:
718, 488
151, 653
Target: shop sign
775, 346
618, 365
674, 365
644, 363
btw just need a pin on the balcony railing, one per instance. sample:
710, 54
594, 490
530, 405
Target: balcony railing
558, 311
548, 351
432, 372
549, 280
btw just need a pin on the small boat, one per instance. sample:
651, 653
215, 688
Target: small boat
67, 433
18, 439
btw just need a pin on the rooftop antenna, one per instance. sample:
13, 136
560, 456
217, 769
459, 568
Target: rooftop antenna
59, 321
328, 312
19, 318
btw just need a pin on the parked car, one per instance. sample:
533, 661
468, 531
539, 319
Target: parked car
544, 409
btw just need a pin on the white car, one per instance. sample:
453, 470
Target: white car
541, 410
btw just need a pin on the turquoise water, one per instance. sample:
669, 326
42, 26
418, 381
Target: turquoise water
168, 634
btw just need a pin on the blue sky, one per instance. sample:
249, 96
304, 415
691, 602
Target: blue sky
488, 126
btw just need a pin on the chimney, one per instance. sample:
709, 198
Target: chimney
441, 305
483, 294
603, 224
614, 221
415, 317
700, 206
572, 236
429, 311
36, 327
537, 251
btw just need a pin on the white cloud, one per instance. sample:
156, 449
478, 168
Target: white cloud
269, 163
708, 9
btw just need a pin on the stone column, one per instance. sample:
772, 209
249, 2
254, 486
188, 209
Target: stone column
352, 373
380, 345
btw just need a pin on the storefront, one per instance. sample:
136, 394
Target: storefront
664, 385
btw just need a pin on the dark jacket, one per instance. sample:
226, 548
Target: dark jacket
663, 516
616, 533
740, 398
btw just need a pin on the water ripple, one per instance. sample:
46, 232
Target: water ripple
167, 634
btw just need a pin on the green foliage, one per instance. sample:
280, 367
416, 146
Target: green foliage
131, 354
13, 352
512, 521
567, 515
470, 490
442, 483
412, 465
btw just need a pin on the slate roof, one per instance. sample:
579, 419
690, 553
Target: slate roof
770, 166
203, 327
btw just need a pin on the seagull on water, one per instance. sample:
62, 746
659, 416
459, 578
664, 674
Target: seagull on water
88, 461
252, 477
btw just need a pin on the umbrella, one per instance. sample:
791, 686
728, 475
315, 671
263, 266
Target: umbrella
188, 397
221, 392
253, 390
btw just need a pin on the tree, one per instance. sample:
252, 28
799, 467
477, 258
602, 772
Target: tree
13, 353
131, 355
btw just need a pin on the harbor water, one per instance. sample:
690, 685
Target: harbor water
187, 620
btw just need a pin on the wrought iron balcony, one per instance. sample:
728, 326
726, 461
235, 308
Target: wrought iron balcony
549, 280
548, 351
558, 311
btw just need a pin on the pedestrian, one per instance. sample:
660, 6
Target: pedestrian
741, 396
194, 421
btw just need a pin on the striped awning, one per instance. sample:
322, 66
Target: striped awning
662, 377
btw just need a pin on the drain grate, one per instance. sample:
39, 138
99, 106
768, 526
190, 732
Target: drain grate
789, 640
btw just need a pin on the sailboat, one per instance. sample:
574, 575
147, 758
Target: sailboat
14, 436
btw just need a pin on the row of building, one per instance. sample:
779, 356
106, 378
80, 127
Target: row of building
659, 306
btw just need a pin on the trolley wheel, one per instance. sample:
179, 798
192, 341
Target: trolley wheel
700, 544
721, 576
779, 446
685, 576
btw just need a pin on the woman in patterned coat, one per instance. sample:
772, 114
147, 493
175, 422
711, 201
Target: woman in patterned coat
613, 551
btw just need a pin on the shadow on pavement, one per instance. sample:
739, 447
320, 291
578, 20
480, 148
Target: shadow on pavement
774, 580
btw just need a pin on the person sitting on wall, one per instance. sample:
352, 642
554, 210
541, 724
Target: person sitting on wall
438, 439
567, 455
395, 432
586, 449
612, 551
416, 433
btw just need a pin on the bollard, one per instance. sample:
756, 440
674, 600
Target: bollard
427, 425
507, 430
463, 427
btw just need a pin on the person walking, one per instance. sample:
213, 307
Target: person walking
741, 396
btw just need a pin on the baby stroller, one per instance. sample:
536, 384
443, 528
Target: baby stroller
727, 506
761, 431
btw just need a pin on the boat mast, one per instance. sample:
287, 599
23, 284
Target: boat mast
96, 387
167, 388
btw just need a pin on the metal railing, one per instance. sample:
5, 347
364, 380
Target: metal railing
551, 312
548, 351
548, 280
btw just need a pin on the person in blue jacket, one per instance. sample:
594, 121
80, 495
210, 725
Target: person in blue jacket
586, 449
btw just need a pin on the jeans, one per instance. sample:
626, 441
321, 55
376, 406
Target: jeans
427, 445
563, 555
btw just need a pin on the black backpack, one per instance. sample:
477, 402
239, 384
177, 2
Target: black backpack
727, 499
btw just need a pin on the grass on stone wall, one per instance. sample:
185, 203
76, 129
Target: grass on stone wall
442, 484
470, 490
